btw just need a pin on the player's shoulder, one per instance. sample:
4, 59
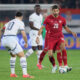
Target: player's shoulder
61, 17
32, 15
41, 15
48, 17
11, 20
19, 22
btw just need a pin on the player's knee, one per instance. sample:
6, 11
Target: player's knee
58, 51
21, 54
62, 46
50, 54
12, 55
45, 51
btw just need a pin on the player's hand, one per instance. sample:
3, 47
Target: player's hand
25, 45
40, 31
37, 40
74, 34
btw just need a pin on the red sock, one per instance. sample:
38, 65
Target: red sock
59, 58
64, 57
42, 55
52, 60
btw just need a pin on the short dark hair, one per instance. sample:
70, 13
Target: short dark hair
37, 5
55, 7
19, 14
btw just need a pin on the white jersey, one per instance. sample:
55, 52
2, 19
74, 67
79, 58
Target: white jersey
13, 26
36, 19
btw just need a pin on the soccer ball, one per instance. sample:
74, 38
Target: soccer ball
62, 70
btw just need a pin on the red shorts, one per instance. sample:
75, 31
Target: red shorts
46, 43
54, 44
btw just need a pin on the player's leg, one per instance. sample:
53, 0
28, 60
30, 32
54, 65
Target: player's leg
33, 44
12, 65
9, 43
19, 51
29, 52
64, 53
39, 48
39, 52
42, 55
59, 54
51, 47
59, 57
64, 56
23, 64
52, 60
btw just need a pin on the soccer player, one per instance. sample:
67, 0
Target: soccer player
54, 36
9, 41
35, 20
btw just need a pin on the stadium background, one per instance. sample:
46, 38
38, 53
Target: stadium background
70, 9
72, 16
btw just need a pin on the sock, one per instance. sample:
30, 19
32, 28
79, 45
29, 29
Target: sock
23, 64
30, 51
12, 64
59, 58
64, 57
52, 60
38, 55
42, 55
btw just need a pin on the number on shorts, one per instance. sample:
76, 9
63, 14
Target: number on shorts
10, 26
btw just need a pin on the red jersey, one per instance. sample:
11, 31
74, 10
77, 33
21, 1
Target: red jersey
54, 26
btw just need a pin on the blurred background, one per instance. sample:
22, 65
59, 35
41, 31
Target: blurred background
62, 3
70, 9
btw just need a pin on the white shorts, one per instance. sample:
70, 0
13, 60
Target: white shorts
33, 35
12, 44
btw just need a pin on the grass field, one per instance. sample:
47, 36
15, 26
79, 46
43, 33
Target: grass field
44, 74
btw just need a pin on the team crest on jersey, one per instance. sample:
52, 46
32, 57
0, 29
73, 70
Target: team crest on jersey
60, 21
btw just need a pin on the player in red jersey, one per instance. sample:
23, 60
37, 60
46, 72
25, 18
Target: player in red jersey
54, 24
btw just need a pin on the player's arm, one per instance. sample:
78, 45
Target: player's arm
69, 31
39, 33
1, 33
31, 22
32, 26
25, 38
40, 30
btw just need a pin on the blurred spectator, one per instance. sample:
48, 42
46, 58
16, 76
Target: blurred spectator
77, 4
37, 1
68, 16
62, 3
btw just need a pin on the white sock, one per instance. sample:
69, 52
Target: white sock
38, 55
30, 51
23, 64
12, 64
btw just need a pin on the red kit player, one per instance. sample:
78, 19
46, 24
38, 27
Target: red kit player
54, 39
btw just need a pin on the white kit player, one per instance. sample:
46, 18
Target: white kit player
35, 20
9, 41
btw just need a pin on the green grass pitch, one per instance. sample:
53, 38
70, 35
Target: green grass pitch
44, 74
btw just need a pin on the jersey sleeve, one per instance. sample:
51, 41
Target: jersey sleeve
22, 26
64, 22
45, 22
31, 18
6, 25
